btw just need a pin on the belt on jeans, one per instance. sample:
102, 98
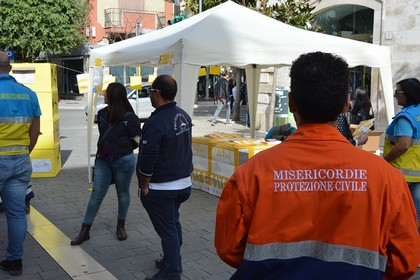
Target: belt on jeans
13, 148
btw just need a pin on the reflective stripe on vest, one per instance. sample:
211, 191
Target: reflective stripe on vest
14, 135
318, 250
10, 120
13, 148
410, 172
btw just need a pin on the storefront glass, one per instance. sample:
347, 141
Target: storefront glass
353, 22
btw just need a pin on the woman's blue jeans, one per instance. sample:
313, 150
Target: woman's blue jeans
14, 179
122, 170
415, 194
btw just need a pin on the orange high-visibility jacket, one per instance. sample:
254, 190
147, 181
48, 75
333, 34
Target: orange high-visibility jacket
316, 207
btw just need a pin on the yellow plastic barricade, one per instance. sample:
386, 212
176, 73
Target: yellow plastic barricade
42, 79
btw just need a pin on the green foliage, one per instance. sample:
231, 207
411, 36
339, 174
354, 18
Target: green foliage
297, 13
33, 26
207, 4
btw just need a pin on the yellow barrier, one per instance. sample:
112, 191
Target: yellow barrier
50, 135
46, 162
42, 79
48, 101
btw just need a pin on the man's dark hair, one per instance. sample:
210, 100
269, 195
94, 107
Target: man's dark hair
411, 89
166, 85
319, 86
5, 66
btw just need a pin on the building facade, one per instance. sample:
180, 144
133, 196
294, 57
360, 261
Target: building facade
110, 21
395, 23
392, 23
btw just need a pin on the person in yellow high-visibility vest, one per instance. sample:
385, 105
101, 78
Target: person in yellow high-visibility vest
19, 130
402, 139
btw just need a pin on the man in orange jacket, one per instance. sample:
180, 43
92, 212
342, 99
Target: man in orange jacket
315, 206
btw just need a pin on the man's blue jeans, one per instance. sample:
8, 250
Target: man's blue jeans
163, 209
122, 170
14, 179
220, 105
415, 193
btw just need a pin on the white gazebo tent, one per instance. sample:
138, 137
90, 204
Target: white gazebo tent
231, 34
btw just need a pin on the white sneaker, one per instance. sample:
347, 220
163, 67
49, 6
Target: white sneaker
213, 123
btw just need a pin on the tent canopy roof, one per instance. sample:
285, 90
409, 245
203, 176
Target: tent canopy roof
231, 34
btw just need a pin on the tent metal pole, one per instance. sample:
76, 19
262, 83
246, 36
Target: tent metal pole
91, 116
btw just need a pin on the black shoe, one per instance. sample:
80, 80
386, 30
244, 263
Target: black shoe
159, 263
13, 267
83, 235
27, 207
1, 207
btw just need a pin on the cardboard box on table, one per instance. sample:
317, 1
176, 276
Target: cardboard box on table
374, 137
212, 183
373, 143
202, 149
216, 164
202, 153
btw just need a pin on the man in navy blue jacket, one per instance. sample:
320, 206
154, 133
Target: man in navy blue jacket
164, 166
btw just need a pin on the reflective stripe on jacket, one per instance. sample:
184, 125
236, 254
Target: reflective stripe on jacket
316, 207
18, 107
409, 162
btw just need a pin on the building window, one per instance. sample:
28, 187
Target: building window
353, 22
350, 21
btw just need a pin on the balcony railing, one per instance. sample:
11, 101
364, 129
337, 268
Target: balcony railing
113, 17
123, 18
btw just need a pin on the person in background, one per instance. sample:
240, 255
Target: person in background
221, 98
244, 101
402, 139
244, 93
119, 135
29, 195
344, 128
362, 108
313, 206
280, 132
19, 128
164, 166
232, 92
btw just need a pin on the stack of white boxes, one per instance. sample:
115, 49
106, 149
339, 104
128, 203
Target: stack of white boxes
216, 157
